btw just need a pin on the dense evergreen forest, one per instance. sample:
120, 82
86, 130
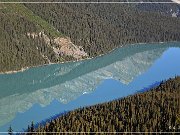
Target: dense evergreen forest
156, 110
169, 9
101, 27
17, 50
28, 31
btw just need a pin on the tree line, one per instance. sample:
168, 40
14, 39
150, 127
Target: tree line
101, 27
156, 110
98, 28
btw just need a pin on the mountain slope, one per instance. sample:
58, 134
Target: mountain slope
28, 40
37, 34
156, 110
169, 9
101, 27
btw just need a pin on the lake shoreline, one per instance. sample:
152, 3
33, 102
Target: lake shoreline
141, 91
163, 85
26, 68
50, 90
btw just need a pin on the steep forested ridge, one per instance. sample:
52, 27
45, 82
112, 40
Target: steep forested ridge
157, 110
36, 34
17, 50
101, 27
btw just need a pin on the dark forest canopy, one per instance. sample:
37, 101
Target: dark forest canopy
97, 28
156, 110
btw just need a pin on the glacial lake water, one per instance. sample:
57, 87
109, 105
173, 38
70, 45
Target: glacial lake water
42, 92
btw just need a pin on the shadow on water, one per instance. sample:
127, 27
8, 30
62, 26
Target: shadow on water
43, 122
29, 95
149, 87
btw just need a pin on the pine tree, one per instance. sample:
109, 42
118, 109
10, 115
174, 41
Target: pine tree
32, 126
10, 130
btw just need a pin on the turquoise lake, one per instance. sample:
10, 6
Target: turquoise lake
43, 92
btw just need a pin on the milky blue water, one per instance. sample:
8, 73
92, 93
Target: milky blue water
41, 93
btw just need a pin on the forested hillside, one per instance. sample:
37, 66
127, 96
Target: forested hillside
157, 110
36, 34
169, 9
101, 27
17, 50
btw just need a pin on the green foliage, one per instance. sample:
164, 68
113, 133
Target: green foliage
41, 24
151, 111
17, 50
98, 28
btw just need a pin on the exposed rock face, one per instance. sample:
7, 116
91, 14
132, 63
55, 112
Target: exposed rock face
45, 37
66, 47
63, 46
